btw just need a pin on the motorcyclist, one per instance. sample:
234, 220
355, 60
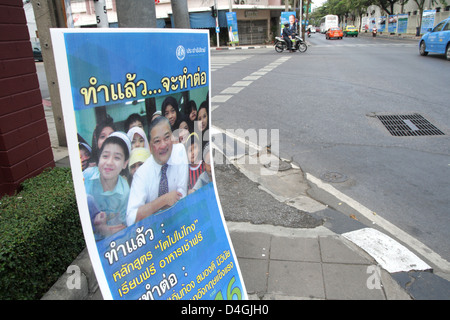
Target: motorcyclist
290, 31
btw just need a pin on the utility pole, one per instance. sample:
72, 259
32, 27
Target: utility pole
302, 33
217, 21
101, 14
180, 13
50, 14
136, 13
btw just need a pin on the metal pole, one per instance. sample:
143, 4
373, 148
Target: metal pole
136, 13
180, 13
217, 21
301, 20
101, 14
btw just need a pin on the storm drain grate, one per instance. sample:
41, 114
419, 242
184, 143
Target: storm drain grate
409, 125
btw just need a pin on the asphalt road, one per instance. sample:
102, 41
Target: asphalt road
325, 104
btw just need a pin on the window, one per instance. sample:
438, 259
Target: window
447, 27
439, 27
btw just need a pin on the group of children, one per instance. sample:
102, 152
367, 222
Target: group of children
114, 157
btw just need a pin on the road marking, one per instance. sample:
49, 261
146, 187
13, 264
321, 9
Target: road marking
252, 78
415, 244
245, 82
390, 255
242, 83
227, 60
220, 98
232, 90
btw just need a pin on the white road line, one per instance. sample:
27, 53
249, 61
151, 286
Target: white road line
232, 90
390, 255
248, 80
412, 242
251, 78
220, 98
242, 83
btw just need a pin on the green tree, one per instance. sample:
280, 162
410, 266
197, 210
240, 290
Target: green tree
359, 7
387, 5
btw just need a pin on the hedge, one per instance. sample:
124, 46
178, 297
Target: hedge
40, 236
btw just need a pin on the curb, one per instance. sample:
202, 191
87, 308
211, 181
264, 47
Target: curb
394, 36
240, 48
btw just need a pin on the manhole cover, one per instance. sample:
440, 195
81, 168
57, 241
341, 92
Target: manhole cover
409, 125
333, 177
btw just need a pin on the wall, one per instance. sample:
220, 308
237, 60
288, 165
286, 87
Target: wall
413, 18
25, 148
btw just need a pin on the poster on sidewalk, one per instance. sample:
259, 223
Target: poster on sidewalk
136, 112
427, 20
381, 24
365, 24
233, 35
392, 23
284, 19
402, 23
372, 23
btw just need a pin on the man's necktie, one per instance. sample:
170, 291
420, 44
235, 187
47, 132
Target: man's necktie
163, 183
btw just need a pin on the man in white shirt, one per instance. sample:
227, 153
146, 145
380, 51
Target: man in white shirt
163, 178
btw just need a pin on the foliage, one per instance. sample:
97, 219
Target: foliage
41, 234
357, 7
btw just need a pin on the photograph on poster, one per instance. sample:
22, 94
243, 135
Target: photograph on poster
136, 113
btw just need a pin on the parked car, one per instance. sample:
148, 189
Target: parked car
37, 54
436, 40
350, 31
334, 33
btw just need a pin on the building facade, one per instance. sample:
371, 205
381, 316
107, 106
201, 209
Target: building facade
258, 20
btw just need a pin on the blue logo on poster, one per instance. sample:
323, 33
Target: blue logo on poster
181, 53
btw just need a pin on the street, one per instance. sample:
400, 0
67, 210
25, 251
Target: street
325, 104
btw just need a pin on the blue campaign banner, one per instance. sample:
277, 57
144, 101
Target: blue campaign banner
132, 100
382, 24
284, 18
393, 23
233, 34
402, 23
427, 20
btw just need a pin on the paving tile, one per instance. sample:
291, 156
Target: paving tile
297, 279
295, 249
253, 245
335, 250
254, 273
349, 282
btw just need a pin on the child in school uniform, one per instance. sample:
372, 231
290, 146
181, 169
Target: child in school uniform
109, 190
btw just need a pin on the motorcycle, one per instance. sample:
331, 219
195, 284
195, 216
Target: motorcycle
374, 32
297, 44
